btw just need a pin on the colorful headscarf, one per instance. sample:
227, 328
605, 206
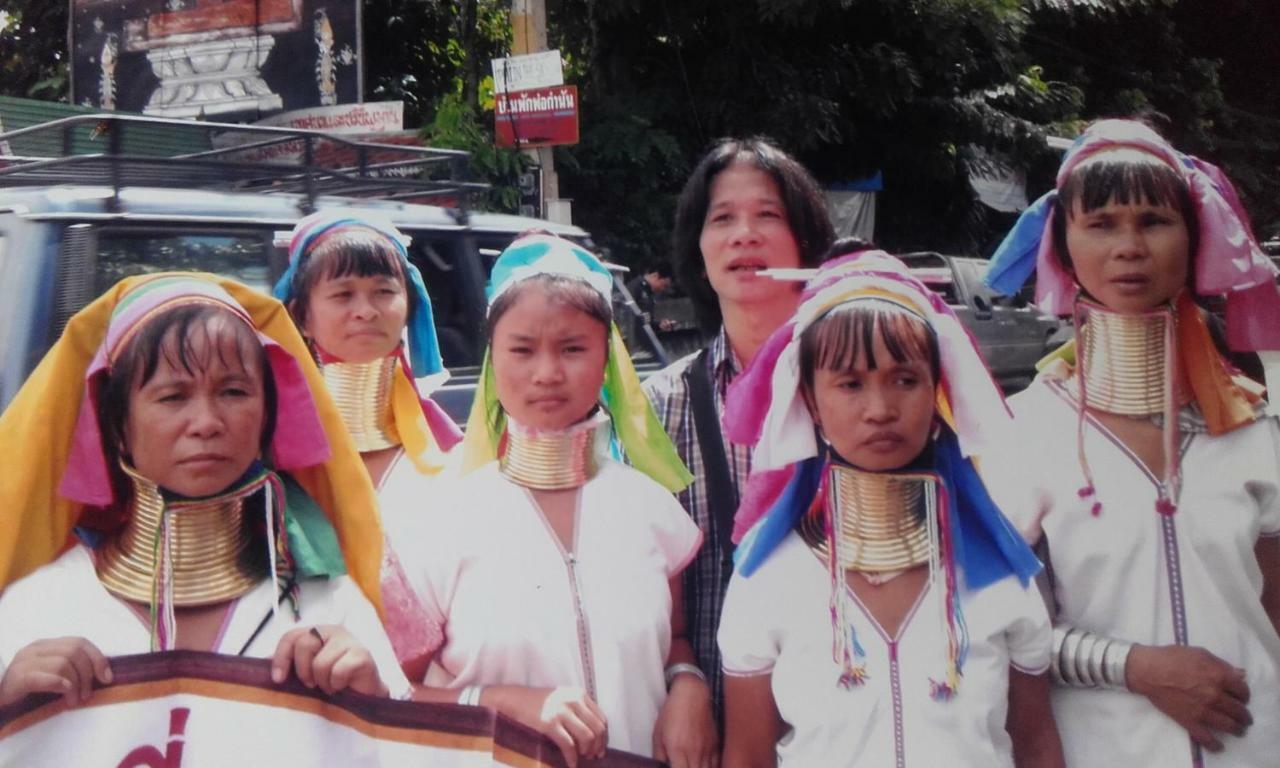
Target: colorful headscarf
1229, 262
60, 478
424, 428
765, 407
644, 441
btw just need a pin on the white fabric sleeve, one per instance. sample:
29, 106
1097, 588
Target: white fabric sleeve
1267, 490
676, 536
1030, 635
361, 620
749, 644
430, 550
1012, 476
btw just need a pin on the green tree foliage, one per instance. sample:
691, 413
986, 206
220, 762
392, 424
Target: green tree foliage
908, 88
33, 43
422, 52
456, 125
1208, 72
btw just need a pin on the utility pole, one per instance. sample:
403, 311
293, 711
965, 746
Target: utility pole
529, 35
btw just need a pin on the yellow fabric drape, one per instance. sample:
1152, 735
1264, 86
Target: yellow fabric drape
36, 430
411, 426
1227, 401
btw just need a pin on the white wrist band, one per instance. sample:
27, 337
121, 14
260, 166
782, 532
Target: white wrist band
683, 668
470, 696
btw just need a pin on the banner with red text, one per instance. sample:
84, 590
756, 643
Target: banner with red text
194, 710
538, 117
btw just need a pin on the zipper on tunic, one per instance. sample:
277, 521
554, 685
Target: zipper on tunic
584, 630
895, 685
1172, 561
575, 588
1177, 601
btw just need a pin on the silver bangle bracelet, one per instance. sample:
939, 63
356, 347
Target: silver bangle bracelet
1082, 659
683, 668
470, 696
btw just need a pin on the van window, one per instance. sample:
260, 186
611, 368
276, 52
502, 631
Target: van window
245, 257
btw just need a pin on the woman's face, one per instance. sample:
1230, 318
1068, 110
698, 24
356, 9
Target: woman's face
880, 419
196, 432
1130, 257
747, 230
548, 360
357, 319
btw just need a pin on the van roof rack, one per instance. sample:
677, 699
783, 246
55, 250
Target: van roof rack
121, 151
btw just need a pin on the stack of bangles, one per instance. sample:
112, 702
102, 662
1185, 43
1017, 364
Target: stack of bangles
683, 668
1085, 660
470, 696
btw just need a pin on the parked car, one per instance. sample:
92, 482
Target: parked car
1012, 334
71, 226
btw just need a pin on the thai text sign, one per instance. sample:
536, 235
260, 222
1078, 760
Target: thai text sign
186, 710
539, 117
531, 70
380, 121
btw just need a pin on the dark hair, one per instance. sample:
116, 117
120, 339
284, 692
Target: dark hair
660, 268
837, 340
847, 245
1132, 177
357, 251
561, 289
169, 335
806, 214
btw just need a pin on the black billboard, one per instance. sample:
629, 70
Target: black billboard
225, 60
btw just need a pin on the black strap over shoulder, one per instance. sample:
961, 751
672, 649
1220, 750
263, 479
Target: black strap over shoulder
721, 498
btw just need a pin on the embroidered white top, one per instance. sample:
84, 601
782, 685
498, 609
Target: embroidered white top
1133, 573
66, 599
518, 609
777, 622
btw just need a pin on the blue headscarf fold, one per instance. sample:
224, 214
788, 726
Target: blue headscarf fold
987, 547
1015, 259
424, 348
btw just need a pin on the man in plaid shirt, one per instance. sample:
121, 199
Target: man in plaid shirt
747, 206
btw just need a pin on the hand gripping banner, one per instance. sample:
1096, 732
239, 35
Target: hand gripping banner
184, 709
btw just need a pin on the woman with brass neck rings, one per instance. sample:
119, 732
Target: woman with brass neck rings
1153, 489
366, 314
881, 611
167, 521
552, 566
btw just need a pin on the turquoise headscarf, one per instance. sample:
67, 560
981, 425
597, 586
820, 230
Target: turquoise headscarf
424, 349
644, 441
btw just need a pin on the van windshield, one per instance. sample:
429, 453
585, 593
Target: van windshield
242, 256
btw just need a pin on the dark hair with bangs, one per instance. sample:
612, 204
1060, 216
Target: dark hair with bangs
1132, 177
170, 336
806, 207
561, 289
358, 252
842, 337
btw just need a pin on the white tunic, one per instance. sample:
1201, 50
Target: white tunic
1135, 574
777, 622
66, 599
518, 610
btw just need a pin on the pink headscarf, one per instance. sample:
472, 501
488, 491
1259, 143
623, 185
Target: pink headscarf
299, 441
1229, 261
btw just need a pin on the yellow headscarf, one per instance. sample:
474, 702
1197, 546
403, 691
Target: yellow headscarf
38, 426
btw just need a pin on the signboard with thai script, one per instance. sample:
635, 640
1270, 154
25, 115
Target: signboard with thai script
539, 117
380, 121
224, 59
369, 117
187, 710
530, 70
